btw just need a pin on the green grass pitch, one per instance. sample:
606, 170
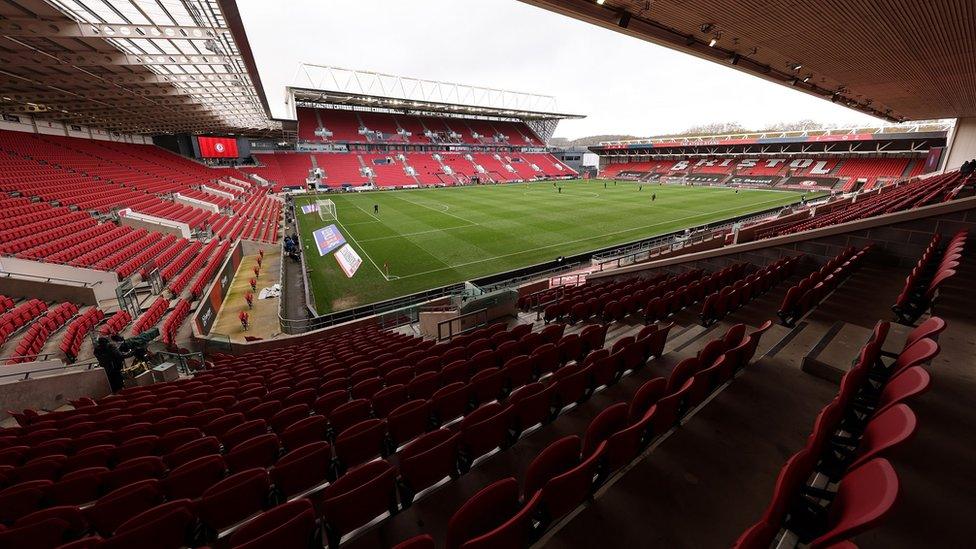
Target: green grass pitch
435, 237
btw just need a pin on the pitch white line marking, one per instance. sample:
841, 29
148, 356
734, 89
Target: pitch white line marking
445, 212
420, 232
452, 267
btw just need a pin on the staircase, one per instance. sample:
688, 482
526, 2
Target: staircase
908, 168
369, 174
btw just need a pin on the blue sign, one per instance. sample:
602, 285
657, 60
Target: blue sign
328, 239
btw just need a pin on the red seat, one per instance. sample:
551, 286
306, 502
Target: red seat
192, 450
166, 526
244, 431
134, 470
118, 506
302, 469
562, 480
493, 517
427, 460
47, 533
304, 431
450, 402
348, 414
482, 431
286, 416
77, 488
290, 525
234, 499
864, 498
360, 443
356, 498
408, 421
531, 406
260, 451
21, 499
191, 479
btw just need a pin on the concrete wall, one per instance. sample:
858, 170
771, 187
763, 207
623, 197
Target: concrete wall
136, 221
102, 283
51, 291
962, 143
27, 123
52, 391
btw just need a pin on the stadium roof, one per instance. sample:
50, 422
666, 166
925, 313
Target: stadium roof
878, 133
895, 59
134, 66
326, 85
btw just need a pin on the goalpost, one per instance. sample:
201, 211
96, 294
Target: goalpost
327, 210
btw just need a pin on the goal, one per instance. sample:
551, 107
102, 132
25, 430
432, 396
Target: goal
327, 210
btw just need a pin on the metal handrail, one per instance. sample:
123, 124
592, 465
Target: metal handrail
450, 324
88, 365
48, 278
297, 326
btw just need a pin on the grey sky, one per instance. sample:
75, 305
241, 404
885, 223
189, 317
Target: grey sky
623, 85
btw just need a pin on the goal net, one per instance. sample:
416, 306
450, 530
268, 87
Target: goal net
327, 210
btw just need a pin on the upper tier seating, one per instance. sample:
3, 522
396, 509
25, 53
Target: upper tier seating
327, 125
346, 168
847, 169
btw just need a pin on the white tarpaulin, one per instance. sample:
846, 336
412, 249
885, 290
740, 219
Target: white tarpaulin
349, 260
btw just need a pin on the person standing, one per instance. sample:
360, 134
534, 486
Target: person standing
110, 359
376, 208
249, 297
243, 317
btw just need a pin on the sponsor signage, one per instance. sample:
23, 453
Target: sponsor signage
705, 177
328, 239
753, 179
630, 174
309, 208
812, 183
349, 260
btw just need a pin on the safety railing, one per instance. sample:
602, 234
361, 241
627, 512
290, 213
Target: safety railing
447, 329
298, 326
47, 279
8, 374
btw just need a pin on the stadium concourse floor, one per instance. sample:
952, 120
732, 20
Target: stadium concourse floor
705, 482
264, 316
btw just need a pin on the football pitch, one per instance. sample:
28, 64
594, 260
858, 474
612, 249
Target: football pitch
428, 238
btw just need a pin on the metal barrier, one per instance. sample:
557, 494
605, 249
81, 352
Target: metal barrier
45, 279
480, 316
298, 326
186, 363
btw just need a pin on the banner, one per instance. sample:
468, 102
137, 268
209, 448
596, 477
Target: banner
705, 177
328, 239
630, 174
349, 260
309, 208
752, 179
217, 147
810, 183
